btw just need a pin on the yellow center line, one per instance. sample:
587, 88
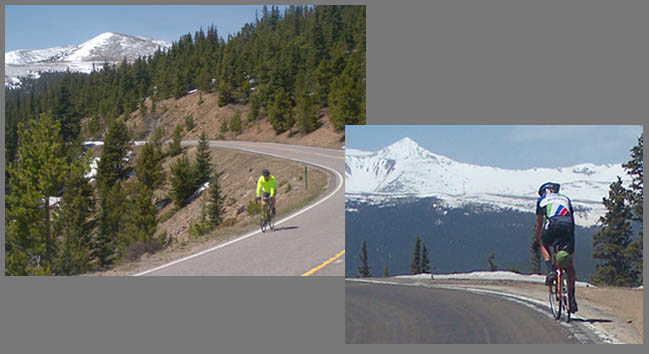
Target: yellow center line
324, 264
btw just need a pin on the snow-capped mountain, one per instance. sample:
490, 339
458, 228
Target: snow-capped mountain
106, 47
406, 169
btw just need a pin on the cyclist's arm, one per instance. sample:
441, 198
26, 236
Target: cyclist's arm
272, 188
258, 187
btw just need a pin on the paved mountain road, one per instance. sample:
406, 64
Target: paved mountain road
311, 243
383, 313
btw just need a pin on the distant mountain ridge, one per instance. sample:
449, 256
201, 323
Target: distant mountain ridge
405, 169
106, 47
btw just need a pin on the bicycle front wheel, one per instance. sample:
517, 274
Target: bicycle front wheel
263, 225
564, 297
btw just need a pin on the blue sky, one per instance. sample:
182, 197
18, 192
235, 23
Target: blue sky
39, 27
522, 146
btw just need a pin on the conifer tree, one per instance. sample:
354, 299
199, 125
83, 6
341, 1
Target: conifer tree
203, 160
110, 218
611, 241
36, 176
535, 256
148, 166
182, 181
425, 263
75, 219
141, 219
117, 144
174, 144
363, 268
634, 169
415, 263
235, 123
305, 116
280, 113
215, 209
490, 261
224, 126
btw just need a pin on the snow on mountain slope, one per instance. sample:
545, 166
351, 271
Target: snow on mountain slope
106, 47
406, 169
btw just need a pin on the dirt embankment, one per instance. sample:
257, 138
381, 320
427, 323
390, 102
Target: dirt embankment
209, 116
616, 311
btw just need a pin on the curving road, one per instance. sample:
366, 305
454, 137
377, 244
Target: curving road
308, 242
382, 313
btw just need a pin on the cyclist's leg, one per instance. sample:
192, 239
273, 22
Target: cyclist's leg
547, 240
273, 202
572, 274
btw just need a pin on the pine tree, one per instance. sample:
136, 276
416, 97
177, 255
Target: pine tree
634, 169
535, 256
235, 124
76, 219
117, 144
425, 263
110, 218
148, 166
305, 116
182, 181
63, 111
37, 175
415, 263
490, 260
141, 219
611, 241
280, 113
203, 160
224, 126
174, 144
216, 209
363, 268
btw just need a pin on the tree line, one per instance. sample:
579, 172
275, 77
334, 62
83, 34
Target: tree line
62, 220
286, 67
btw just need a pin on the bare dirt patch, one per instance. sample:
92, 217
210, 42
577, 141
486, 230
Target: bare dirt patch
208, 116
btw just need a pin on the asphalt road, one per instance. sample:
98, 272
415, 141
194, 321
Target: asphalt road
311, 243
377, 313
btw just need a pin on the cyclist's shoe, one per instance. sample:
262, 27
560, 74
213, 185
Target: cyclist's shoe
572, 306
550, 278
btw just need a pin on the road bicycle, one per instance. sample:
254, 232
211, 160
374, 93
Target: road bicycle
267, 221
559, 290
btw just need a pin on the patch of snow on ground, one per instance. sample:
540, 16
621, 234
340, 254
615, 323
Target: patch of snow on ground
497, 275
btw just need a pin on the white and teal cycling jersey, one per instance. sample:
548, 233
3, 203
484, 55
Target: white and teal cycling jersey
554, 204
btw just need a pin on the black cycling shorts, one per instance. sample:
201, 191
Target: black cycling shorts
267, 195
560, 231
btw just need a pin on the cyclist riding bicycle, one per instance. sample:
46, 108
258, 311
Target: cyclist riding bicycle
266, 183
555, 225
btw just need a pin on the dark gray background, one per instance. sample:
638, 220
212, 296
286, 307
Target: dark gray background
438, 62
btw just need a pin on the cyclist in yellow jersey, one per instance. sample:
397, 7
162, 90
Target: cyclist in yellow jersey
266, 183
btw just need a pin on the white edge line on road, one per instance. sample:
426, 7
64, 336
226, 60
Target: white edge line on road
529, 302
340, 184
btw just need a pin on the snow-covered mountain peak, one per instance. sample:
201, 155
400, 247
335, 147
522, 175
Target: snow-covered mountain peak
404, 148
406, 169
108, 47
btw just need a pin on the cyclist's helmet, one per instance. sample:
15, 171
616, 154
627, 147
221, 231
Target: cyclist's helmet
554, 187
265, 173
